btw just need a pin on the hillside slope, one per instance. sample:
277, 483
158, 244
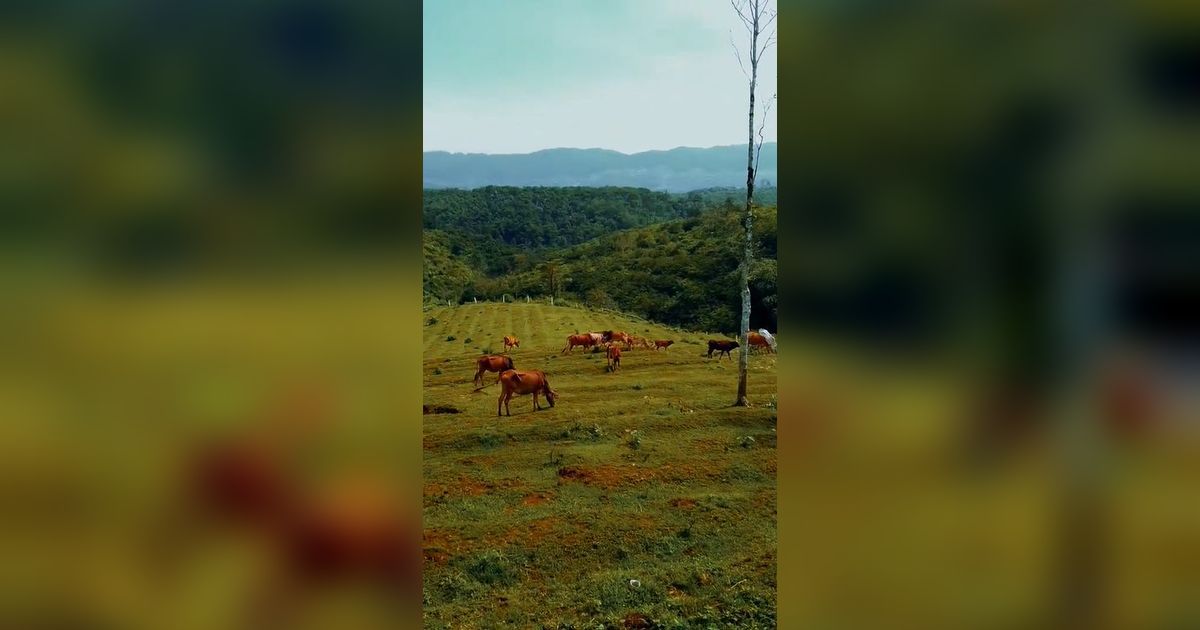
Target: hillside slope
553, 512
681, 272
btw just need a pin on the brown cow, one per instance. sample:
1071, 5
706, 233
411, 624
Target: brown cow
510, 341
662, 345
721, 347
585, 340
758, 341
521, 383
611, 336
491, 363
614, 358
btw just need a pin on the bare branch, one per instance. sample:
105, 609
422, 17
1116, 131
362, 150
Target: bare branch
738, 53
737, 6
770, 19
771, 41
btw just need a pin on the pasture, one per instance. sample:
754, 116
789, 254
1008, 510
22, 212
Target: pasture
542, 519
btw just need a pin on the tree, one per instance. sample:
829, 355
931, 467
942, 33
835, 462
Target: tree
757, 16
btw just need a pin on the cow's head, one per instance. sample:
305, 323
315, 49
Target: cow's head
550, 395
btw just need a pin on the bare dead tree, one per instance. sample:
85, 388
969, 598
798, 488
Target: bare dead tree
757, 17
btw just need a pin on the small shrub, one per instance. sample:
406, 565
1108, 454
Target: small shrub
437, 371
451, 338
596, 432
454, 586
634, 441
492, 568
637, 386
467, 340
746, 441
490, 441
432, 321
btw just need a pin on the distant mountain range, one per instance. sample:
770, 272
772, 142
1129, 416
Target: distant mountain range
676, 170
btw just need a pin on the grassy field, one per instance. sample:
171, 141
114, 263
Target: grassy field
542, 519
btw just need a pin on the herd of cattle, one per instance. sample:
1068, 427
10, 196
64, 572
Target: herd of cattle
534, 382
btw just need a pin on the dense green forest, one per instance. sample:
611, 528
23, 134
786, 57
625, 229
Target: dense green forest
681, 271
543, 217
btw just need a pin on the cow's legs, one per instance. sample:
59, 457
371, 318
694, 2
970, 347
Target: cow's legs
535, 403
499, 402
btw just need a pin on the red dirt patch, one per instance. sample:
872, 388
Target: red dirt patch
466, 486
685, 504
611, 476
537, 498
636, 620
532, 534
437, 546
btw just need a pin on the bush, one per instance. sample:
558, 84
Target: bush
432, 321
451, 338
492, 568
467, 340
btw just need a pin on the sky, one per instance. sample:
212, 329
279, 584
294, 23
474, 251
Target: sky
515, 76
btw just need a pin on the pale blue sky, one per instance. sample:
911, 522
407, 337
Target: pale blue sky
513, 76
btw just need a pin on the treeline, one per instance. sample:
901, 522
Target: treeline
682, 272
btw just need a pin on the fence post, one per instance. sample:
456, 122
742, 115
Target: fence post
475, 299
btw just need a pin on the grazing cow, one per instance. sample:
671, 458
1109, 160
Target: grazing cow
757, 341
491, 363
611, 336
521, 383
587, 341
614, 358
511, 341
662, 345
721, 347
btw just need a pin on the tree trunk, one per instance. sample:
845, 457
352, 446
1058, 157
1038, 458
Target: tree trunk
747, 223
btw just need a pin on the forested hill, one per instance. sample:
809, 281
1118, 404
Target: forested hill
536, 218
676, 170
681, 272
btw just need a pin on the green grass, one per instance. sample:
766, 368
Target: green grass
543, 518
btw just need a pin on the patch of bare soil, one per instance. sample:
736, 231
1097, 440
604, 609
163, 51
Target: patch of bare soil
466, 486
537, 498
438, 546
428, 409
629, 475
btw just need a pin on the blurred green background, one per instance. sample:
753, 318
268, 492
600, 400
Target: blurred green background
210, 219
988, 216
